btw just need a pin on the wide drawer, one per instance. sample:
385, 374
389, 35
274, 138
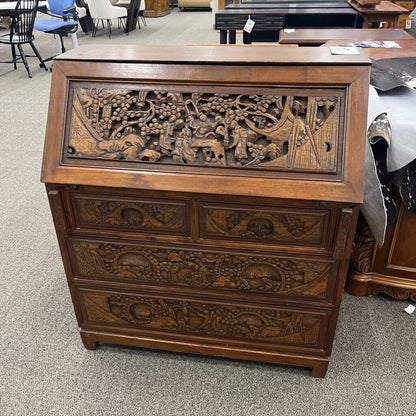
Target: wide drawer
282, 225
225, 272
130, 214
224, 322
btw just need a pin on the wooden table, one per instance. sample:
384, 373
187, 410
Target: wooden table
133, 12
271, 19
317, 37
6, 6
383, 12
408, 49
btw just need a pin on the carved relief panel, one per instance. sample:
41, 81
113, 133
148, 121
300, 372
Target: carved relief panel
190, 126
204, 318
197, 268
274, 225
131, 214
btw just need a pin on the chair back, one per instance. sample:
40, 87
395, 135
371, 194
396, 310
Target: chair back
23, 19
57, 6
103, 9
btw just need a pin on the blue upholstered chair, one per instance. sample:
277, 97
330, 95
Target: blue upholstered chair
64, 22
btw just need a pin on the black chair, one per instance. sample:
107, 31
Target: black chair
64, 22
21, 32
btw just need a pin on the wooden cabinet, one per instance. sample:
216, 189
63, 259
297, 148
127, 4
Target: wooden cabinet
409, 5
390, 269
156, 8
207, 207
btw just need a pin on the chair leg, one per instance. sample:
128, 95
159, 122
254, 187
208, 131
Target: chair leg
23, 56
42, 64
109, 28
143, 19
62, 43
14, 55
122, 23
95, 27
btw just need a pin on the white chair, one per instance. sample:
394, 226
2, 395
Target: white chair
138, 12
101, 10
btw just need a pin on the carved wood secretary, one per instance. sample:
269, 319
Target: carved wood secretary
205, 198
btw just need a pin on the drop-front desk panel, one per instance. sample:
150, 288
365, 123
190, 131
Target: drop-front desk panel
207, 207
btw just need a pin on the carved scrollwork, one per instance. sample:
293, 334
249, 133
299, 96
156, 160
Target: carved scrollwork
363, 247
263, 225
202, 269
394, 292
143, 215
198, 128
204, 318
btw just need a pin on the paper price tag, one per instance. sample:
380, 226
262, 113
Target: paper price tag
410, 309
249, 25
344, 50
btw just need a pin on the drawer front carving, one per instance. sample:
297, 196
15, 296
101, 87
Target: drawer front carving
272, 226
238, 128
131, 215
204, 318
202, 269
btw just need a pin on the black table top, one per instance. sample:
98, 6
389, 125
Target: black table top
284, 11
290, 5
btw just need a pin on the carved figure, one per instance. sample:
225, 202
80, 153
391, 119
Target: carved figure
270, 131
204, 318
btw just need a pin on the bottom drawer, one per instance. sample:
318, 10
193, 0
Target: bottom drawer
220, 322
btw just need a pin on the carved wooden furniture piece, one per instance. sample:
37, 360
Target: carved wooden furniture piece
383, 12
207, 207
390, 269
409, 6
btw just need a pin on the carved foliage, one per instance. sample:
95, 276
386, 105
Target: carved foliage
395, 292
263, 226
197, 128
143, 215
202, 269
204, 318
363, 247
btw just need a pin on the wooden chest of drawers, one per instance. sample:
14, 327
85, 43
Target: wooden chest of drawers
207, 207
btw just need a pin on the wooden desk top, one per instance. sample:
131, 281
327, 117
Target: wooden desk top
385, 7
310, 37
408, 49
213, 55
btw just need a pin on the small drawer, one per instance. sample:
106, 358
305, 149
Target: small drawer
129, 214
275, 225
205, 318
225, 272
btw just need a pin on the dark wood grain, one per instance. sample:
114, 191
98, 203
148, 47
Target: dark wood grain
317, 37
